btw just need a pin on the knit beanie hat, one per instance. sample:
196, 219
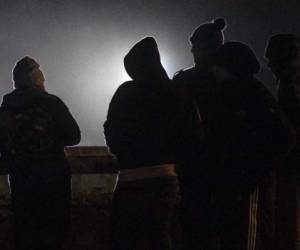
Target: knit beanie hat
209, 33
22, 71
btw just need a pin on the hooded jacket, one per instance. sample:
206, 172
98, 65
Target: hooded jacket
140, 128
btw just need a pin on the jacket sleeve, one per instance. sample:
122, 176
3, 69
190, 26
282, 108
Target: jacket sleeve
121, 125
270, 139
190, 136
67, 128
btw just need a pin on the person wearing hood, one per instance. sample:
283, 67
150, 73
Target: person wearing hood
283, 55
252, 136
141, 131
35, 128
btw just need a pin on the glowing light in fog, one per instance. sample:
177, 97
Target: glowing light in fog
166, 65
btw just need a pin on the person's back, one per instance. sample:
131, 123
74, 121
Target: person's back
252, 136
198, 82
138, 124
196, 88
35, 127
141, 131
251, 131
283, 55
39, 127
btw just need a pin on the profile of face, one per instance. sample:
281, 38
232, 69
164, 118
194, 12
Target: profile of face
37, 78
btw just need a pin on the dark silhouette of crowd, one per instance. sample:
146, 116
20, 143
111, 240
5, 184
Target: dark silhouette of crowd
202, 145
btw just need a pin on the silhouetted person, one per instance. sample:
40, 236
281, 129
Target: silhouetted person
35, 128
251, 136
197, 167
283, 53
141, 131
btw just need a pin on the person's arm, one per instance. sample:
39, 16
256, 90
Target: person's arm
121, 125
66, 126
190, 132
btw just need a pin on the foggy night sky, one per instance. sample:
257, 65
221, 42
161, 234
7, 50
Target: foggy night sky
80, 44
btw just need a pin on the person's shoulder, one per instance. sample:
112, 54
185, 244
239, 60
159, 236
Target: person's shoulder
259, 95
126, 85
52, 101
51, 97
184, 74
126, 88
9, 99
261, 88
7, 96
11, 94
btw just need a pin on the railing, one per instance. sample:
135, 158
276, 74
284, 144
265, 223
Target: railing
84, 160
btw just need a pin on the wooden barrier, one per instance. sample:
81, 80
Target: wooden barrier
94, 172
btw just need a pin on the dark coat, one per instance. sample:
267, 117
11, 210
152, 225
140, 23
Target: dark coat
35, 127
243, 129
196, 89
199, 85
252, 132
289, 101
141, 127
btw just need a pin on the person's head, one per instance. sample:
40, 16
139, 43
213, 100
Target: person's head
206, 39
27, 74
235, 60
283, 55
143, 61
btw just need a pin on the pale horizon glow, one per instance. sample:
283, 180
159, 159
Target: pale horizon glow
80, 44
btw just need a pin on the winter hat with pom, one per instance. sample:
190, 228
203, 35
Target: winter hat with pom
209, 33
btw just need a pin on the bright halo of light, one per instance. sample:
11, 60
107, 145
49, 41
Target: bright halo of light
123, 76
165, 63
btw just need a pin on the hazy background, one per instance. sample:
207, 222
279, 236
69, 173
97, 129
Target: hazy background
80, 44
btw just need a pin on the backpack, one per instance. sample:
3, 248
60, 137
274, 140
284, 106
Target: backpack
27, 132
